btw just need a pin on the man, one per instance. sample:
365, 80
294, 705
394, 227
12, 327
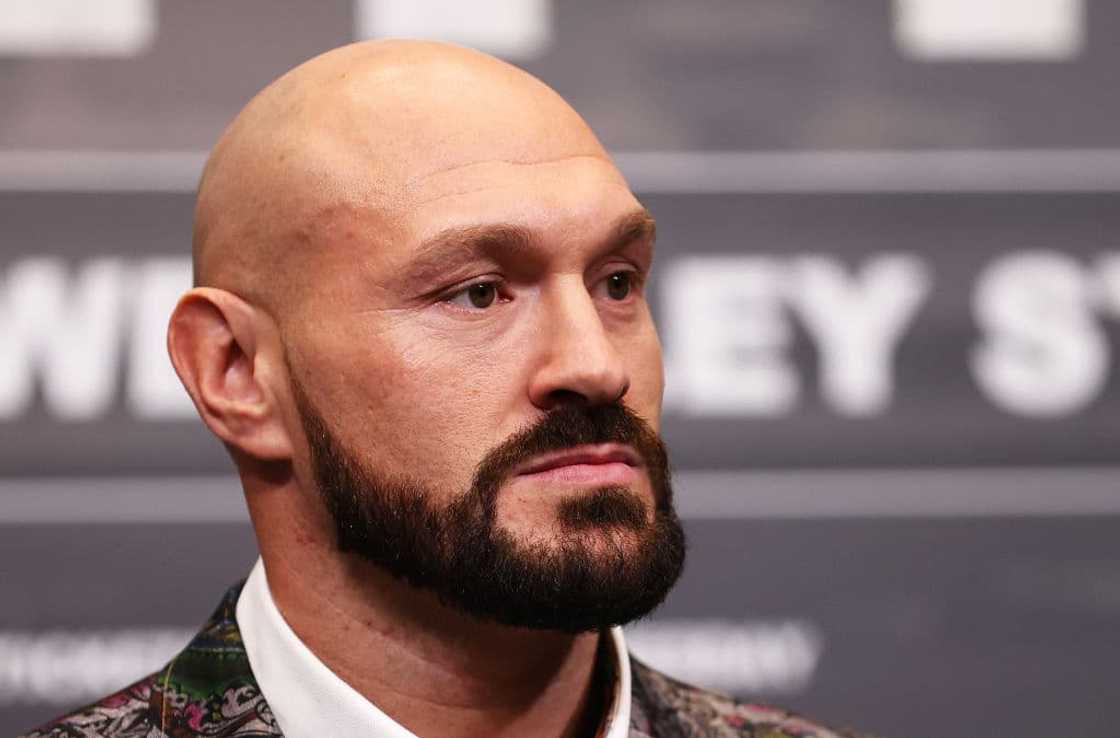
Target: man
419, 328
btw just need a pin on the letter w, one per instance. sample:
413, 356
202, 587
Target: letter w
67, 329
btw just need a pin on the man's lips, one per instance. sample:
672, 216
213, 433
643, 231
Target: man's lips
604, 463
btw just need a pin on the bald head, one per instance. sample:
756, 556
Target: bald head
371, 128
419, 252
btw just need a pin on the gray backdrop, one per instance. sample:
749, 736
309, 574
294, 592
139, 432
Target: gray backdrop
889, 291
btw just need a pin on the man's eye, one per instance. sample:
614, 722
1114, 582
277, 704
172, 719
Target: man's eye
477, 296
619, 285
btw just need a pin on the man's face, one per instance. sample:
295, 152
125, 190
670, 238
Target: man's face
437, 325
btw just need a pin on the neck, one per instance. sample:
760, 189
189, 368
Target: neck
432, 669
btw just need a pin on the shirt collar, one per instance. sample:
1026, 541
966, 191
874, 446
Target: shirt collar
309, 700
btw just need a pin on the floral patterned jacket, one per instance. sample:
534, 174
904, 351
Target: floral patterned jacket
208, 690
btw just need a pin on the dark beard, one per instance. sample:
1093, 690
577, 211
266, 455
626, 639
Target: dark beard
610, 565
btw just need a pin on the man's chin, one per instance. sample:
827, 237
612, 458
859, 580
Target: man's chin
592, 577
598, 542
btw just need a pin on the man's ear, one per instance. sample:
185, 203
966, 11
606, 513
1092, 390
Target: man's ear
215, 340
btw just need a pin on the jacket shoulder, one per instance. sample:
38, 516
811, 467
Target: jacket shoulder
207, 690
160, 706
133, 711
674, 709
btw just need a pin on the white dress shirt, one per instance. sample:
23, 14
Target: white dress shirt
310, 701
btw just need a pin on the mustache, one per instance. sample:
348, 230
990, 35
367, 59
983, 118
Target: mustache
577, 425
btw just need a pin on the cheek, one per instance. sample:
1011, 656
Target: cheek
422, 407
647, 375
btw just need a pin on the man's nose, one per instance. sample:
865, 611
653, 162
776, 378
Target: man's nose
576, 358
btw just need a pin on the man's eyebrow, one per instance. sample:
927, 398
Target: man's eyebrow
636, 226
488, 239
453, 247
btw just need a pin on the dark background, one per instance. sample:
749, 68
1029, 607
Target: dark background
944, 561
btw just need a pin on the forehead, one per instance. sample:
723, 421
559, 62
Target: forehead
562, 202
552, 196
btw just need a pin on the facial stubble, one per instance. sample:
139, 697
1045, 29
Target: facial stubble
610, 560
